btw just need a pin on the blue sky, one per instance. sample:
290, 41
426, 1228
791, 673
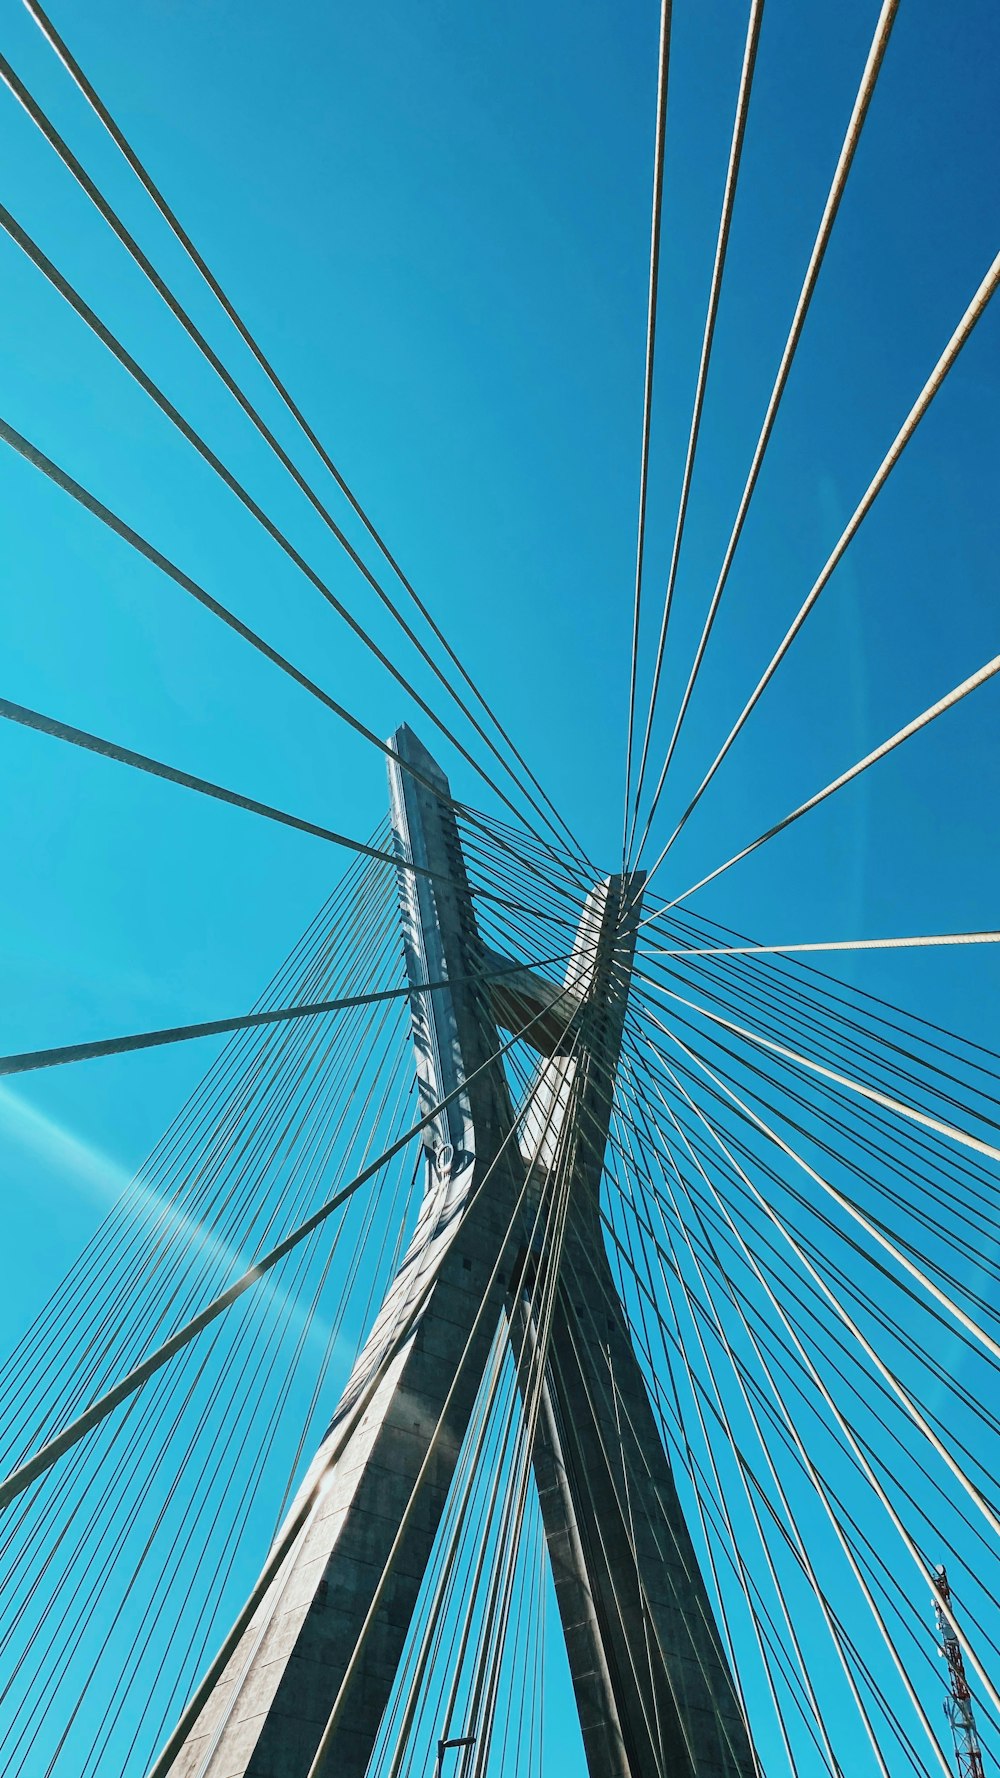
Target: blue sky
436, 221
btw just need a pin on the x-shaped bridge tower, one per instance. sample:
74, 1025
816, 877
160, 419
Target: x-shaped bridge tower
314, 1669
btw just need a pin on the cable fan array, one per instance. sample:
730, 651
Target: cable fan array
800, 1207
126, 1561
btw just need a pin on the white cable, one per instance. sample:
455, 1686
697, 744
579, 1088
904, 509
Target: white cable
716, 1477
793, 1526
954, 1132
973, 313
839, 944
859, 112
842, 1313
950, 699
715, 290
871, 1229
647, 397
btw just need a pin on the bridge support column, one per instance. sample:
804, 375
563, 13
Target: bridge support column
652, 1684
268, 1711
654, 1693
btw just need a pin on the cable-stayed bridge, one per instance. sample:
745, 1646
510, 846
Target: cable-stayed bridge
559, 1331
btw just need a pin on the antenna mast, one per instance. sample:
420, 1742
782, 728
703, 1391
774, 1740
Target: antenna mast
968, 1752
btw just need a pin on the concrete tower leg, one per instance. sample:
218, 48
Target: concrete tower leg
269, 1709
652, 1684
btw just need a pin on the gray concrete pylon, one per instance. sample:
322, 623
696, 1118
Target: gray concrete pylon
652, 1683
268, 1710
654, 1693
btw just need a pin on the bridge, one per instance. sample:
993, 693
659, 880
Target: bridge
559, 1331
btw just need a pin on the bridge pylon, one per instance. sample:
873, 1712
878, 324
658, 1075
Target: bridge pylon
318, 1659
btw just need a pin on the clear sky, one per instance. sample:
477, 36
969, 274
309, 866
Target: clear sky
435, 218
